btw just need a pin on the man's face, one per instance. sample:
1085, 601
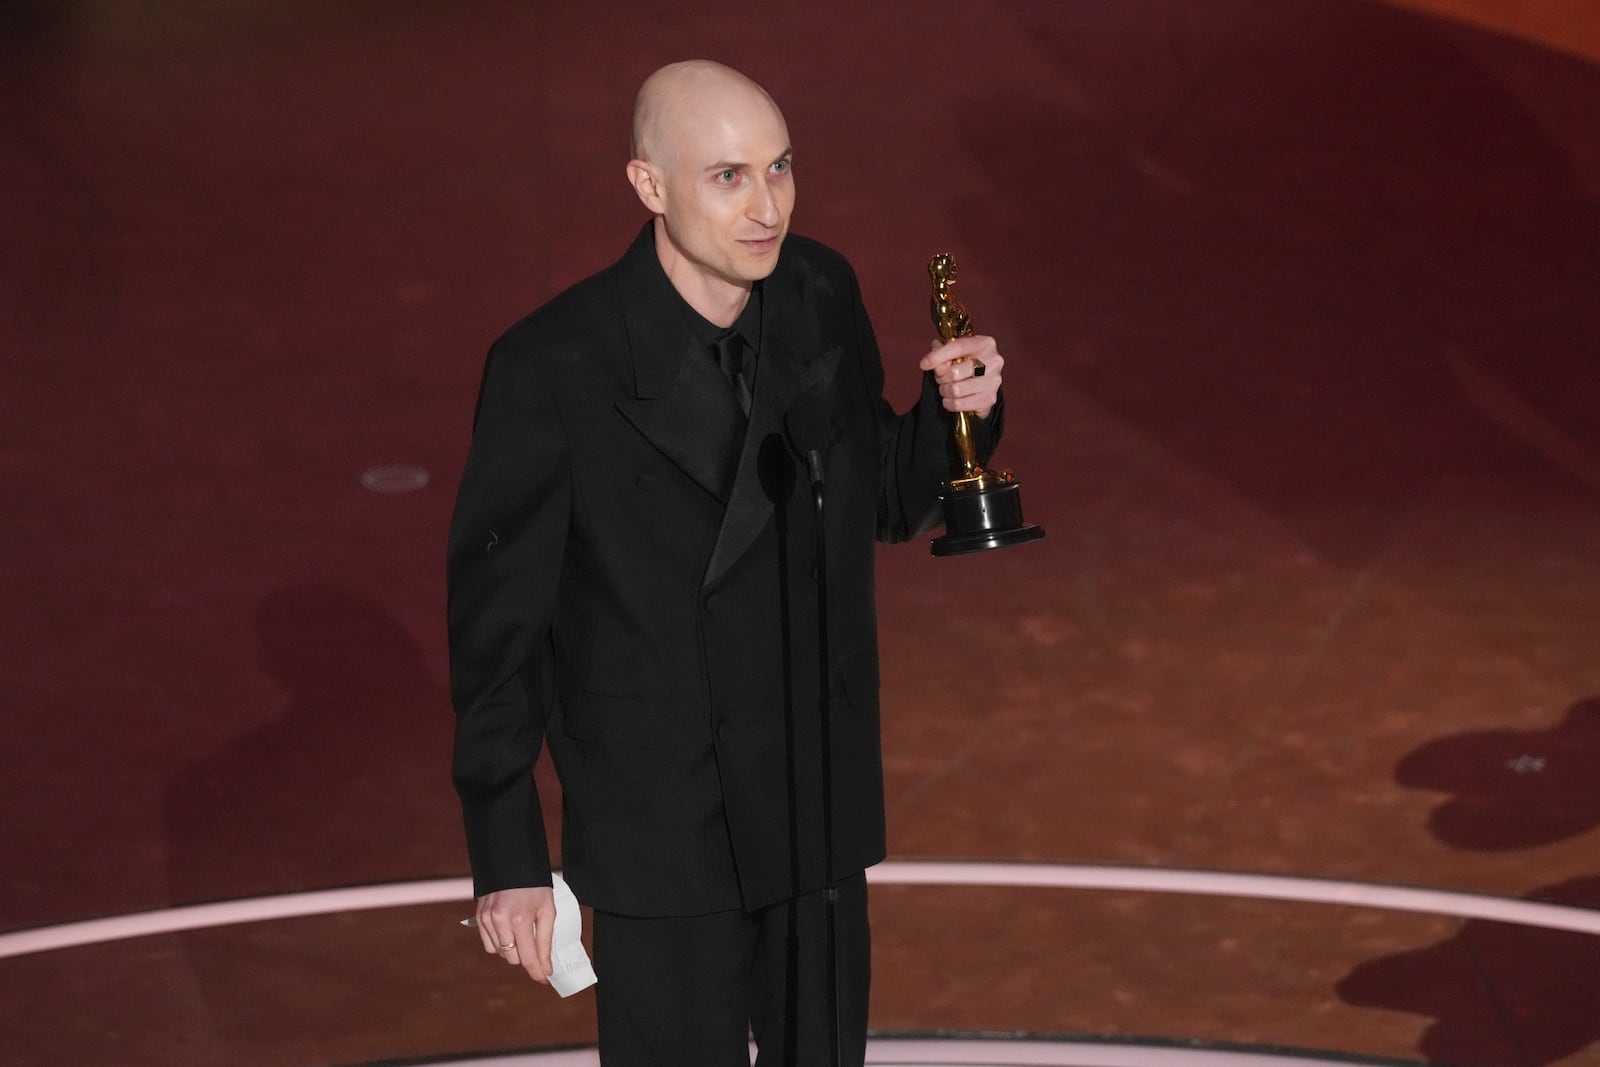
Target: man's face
727, 191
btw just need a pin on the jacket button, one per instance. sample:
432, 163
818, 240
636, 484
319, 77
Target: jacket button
714, 603
723, 730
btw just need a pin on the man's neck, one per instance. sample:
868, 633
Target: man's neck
718, 300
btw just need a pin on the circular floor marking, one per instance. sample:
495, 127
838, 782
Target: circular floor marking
998, 875
994, 1052
395, 478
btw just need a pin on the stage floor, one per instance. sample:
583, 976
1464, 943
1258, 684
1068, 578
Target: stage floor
1300, 301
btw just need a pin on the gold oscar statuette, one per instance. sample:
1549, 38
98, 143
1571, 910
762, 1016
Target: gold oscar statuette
982, 508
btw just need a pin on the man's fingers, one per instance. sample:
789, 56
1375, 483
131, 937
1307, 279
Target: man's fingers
495, 927
964, 390
533, 931
516, 924
530, 945
984, 365
503, 944
538, 964
486, 928
512, 955
963, 358
524, 951
976, 346
529, 960
976, 373
973, 393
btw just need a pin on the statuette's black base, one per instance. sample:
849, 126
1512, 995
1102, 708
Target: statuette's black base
979, 519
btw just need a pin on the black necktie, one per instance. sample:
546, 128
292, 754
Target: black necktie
730, 357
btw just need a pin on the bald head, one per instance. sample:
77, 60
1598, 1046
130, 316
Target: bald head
711, 161
680, 98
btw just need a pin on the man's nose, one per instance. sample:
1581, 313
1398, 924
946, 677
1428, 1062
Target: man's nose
763, 207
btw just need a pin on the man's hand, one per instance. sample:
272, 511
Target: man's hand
517, 924
968, 372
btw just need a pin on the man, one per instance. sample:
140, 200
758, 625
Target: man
632, 579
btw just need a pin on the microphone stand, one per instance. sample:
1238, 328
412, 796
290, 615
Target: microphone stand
824, 684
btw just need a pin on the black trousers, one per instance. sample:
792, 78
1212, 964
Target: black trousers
689, 992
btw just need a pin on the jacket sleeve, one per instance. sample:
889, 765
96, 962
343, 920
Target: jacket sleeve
504, 559
917, 448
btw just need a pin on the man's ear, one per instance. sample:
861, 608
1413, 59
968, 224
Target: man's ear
647, 183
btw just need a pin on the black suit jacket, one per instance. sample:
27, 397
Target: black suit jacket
631, 579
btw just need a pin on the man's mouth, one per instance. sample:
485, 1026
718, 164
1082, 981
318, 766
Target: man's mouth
761, 244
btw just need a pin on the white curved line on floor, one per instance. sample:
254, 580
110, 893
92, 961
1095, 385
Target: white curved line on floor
246, 910
991, 1052
1000, 875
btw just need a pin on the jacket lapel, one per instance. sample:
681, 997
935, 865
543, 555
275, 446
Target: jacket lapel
681, 402
791, 362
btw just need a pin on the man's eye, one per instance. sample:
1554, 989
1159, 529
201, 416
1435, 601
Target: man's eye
726, 176
781, 167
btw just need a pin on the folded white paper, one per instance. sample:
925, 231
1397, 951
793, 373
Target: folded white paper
573, 971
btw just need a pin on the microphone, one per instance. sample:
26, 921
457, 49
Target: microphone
806, 423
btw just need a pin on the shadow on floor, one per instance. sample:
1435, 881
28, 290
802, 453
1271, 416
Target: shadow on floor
1503, 995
